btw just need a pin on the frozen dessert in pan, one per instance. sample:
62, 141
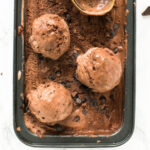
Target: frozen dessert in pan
69, 70
50, 36
50, 102
99, 69
76, 120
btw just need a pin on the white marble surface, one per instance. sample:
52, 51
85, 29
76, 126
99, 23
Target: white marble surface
141, 137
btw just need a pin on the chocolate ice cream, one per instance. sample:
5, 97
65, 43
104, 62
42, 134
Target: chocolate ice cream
50, 36
50, 102
93, 113
76, 120
99, 69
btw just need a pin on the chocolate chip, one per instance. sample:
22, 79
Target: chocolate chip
51, 77
115, 50
76, 96
58, 73
104, 110
68, 18
40, 56
75, 77
75, 54
112, 97
94, 68
58, 128
71, 61
84, 111
76, 118
115, 26
93, 103
112, 34
102, 100
47, 59
109, 19
62, 81
67, 85
83, 100
84, 87
146, 12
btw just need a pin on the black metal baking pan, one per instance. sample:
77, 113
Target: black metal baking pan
116, 139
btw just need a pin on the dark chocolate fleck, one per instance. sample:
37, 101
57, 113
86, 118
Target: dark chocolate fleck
116, 26
75, 77
112, 34
104, 110
93, 103
109, 19
83, 100
84, 87
76, 118
51, 77
70, 60
68, 18
58, 72
67, 85
115, 50
102, 100
75, 54
58, 128
146, 12
40, 56
84, 111
47, 59
112, 97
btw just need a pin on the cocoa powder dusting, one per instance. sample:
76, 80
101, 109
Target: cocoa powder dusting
93, 113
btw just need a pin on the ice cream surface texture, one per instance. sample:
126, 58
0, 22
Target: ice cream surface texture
50, 36
99, 69
50, 102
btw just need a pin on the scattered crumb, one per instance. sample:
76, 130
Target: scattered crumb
146, 12
19, 75
18, 129
98, 141
134, 4
22, 96
22, 107
1, 73
20, 29
127, 11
